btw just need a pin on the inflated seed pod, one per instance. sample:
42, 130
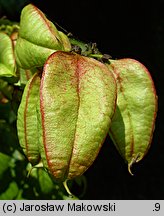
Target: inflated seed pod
37, 38
77, 102
133, 122
7, 58
27, 120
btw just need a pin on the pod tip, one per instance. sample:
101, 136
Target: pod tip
67, 189
133, 160
129, 168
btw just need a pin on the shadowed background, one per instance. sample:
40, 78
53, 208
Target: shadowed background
131, 29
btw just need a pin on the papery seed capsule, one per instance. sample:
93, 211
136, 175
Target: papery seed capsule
77, 102
7, 58
133, 122
37, 38
27, 120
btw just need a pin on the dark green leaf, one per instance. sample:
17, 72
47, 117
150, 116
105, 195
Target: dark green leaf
4, 163
11, 192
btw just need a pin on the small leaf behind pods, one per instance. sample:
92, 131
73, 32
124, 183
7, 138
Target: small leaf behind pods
38, 38
27, 120
77, 102
133, 122
45, 182
5, 162
7, 59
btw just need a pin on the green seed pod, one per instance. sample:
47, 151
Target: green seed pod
27, 120
7, 59
65, 41
37, 39
133, 122
77, 101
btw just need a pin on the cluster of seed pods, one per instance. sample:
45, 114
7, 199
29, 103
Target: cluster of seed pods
69, 107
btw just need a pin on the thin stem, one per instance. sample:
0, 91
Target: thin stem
29, 172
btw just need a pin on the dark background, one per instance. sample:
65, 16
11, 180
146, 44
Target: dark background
133, 29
